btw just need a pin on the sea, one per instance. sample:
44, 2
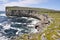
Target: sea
16, 26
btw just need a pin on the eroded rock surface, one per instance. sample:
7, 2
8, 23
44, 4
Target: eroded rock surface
37, 27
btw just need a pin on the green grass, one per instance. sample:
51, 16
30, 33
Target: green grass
54, 27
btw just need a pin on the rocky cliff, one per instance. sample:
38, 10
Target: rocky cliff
44, 19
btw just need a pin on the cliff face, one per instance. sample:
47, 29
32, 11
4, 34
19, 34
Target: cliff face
23, 13
44, 19
29, 12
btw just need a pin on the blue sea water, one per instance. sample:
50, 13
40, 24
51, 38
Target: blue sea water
15, 26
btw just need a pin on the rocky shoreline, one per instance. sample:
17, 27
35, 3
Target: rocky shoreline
44, 22
34, 22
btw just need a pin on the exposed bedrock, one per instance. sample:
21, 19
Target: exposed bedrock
44, 19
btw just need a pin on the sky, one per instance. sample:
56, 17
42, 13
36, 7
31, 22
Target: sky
49, 4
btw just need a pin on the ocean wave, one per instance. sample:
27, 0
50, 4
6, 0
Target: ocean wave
2, 15
21, 24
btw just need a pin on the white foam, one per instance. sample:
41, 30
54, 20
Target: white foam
30, 18
33, 30
0, 24
2, 14
24, 17
30, 25
16, 28
34, 21
17, 23
7, 26
4, 38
